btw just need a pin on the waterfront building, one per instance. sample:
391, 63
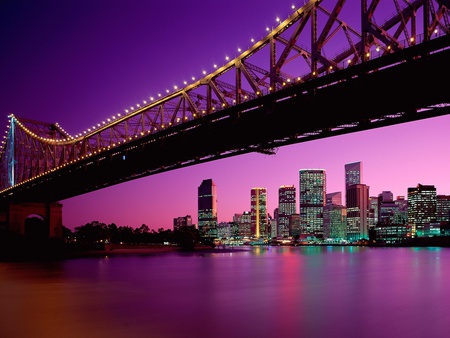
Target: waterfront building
207, 209
421, 209
258, 212
392, 233
334, 222
286, 207
183, 221
312, 191
224, 230
244, 225
357, 202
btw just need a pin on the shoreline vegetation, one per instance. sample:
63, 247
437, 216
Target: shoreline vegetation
52, 249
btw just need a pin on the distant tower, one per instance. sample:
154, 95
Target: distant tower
286, 208
207, 209
312, 194
258, 212
421, 208
353, 174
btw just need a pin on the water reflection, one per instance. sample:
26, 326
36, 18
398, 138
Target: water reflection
265, 291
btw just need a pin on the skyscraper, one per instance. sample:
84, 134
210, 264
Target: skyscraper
286, 208
258, 212
207, 209
312, 194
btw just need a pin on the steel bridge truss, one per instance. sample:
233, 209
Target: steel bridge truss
301, 48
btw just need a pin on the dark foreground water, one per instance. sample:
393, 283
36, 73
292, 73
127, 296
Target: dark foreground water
262, 292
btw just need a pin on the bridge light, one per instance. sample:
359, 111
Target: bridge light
167, 90
267, 29
145, 102
412, 39
138, 105
215, 66
126, 110
175, 87
278, 19
252, 40
204, 72
193, 78
378, 48
151, 98
239, 50
185, 82
227, 58
159, 95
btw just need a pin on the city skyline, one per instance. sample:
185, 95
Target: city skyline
76, 63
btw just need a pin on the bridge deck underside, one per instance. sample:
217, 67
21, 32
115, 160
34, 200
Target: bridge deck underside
352, 97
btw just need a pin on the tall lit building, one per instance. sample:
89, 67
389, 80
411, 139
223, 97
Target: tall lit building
286, 208
353, 174
312, 183
207, 209
421, 208
258, 212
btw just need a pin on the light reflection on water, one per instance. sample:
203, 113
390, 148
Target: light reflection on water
264, 291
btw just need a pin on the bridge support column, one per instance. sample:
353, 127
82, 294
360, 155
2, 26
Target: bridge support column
51, 214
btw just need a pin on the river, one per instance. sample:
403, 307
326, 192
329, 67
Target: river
257, 292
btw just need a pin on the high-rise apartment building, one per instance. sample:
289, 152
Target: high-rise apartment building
286, 208
312, 191
421, 208
207, 209
258, 212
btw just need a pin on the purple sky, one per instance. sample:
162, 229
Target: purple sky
78, 62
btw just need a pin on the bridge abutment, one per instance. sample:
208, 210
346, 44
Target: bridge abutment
51, 214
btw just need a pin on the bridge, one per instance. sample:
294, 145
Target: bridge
321, 72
